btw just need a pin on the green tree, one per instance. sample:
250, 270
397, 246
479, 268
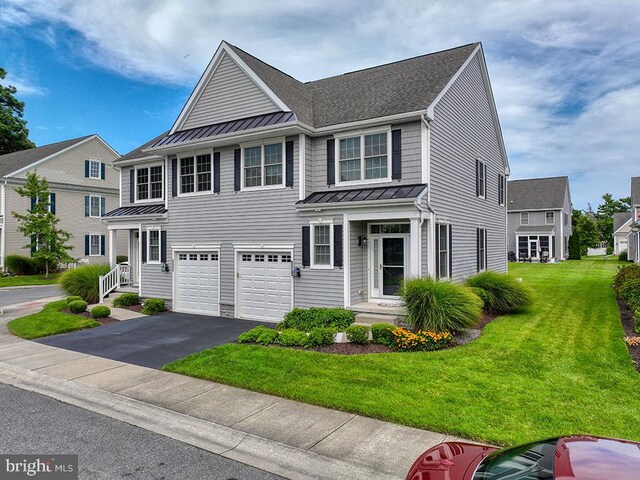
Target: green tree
14, 135
575, 250
604, 215
586, 228
48, 242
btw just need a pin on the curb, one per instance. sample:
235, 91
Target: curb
262, 453
2, 289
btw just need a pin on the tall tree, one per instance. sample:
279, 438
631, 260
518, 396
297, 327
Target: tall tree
48, 242
14, 135
604, 215
586, 227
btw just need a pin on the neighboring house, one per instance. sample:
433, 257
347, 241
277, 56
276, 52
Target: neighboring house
621, 229
633, 238
539, 218
83, 186
269, 193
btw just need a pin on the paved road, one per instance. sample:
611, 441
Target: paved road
107, 448
154, 341
11, 296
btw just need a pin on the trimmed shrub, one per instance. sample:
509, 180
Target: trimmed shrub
609, 250
252, 335
440, 306
121, 258
78, 306
267, 337
72, 298
83, 281
320, 336
502, 293
100, 311
625, 274
292, 337
358, 334
421, 341
126, 300
623, 256
19, 265
153, 306
382, 333
575, 248
630, 293
308, 319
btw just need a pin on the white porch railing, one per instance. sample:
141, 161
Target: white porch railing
120, 275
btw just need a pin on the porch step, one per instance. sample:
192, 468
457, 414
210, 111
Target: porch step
367, 319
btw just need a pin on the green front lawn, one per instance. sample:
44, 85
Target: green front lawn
50, 321
28, 280
559, 368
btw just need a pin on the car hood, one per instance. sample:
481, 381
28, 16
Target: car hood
448, 461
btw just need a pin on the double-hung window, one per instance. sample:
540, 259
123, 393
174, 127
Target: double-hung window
154, 246
443, 266
549, 218
94, 245
149, 185
321, 251
524, 218
263, 165
481, 178
94, 169
363, 157
94, 206
482, 249
195, 174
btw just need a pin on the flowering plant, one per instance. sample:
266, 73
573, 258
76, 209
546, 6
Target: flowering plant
420, 341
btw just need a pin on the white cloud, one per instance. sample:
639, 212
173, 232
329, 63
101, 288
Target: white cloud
23, 86
565, 74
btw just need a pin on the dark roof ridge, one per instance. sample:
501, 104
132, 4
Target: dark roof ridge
265, 63
538, 178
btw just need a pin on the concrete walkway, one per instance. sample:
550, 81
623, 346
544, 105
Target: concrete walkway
284, 437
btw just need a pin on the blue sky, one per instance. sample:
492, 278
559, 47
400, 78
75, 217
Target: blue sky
565, 74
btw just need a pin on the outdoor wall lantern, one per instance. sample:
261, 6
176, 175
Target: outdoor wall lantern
164, 267
362, 241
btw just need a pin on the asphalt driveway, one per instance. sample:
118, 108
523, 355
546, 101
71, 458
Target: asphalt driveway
154, 341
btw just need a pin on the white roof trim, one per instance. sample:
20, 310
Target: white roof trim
209, 72
65, 150
625, 224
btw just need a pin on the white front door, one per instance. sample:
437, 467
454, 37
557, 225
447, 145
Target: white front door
265, 285
533, 247
198, 282
134, 258
388, 261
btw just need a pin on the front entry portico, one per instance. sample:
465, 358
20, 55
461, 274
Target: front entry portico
388, 255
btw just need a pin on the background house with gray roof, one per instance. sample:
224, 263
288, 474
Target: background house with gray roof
83, 186
268, 193
633, 237
539, 217
621, 230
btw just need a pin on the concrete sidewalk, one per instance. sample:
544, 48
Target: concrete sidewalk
287, 438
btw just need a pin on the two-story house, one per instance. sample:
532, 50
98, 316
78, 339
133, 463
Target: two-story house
539, 218
83, 186
621, 229
633, 237
269, 193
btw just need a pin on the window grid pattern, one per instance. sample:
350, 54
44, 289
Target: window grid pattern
443, 251
286, 258
203, 173
186, 175
94, 206
482, 249
322, 244
549, 218
156, 181
94, 169
253, 167
142, 175
350, 159
273, 164
375, 155
94, 245
154, 246
524, 218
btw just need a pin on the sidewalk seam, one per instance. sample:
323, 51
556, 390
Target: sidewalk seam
332, 431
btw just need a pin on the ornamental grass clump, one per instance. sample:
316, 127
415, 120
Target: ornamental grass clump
83, 281
439, 306
502, 293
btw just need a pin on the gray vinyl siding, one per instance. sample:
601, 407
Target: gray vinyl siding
125, 187
250, 217
411, 160
156, 283
562, 231
358, 264
463, 130
229, 95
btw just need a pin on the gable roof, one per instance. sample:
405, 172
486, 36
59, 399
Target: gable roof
635, 191
619, 219
11, 162
537, 193
138, 153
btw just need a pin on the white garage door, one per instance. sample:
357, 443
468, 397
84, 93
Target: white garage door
198, 285
265, 285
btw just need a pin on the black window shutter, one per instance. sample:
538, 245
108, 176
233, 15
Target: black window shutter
52, 203
486, 248
437, 250
306, 246
86, 245
132, 185
337, 246
33, 203
144, 247
477, 177
236, 169
484, 180
478, 249
396, 154
450, 269
86, 168
331, 161
174, 177
102, 243
288, 148
163, 246
216, 172
86, 205
103, 206
102, 171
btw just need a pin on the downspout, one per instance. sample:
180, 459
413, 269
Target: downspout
432, 214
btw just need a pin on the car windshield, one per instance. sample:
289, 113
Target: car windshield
533, 461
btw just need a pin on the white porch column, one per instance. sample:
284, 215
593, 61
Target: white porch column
112, 247
346, 259
414, 248
517, 248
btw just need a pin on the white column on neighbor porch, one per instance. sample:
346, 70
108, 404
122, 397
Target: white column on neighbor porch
112, 247
414, 248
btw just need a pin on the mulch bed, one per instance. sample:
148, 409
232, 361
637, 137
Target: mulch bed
486, 319
101, 321
626, 318
134, 308
353, 348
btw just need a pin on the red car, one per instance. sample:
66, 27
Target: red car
563, 458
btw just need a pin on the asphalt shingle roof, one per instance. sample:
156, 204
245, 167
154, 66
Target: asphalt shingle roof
635, 191
138, 153
620, 219
537, 193
14, 161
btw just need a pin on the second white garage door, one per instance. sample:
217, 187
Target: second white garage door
265, 285
198, 283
